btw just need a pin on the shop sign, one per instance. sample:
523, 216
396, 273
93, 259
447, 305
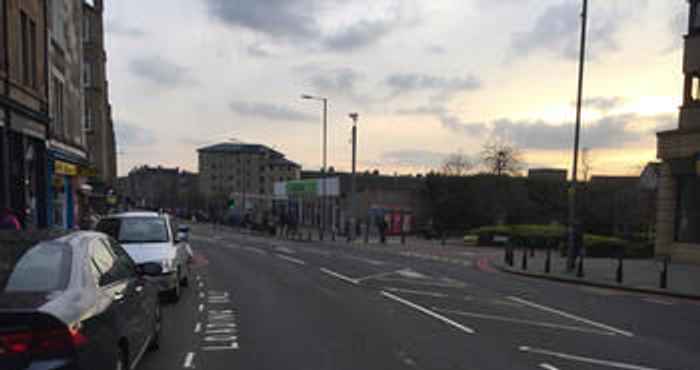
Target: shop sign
63, 168
87, 172
302, 187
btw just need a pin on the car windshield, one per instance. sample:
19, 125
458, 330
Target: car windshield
28, 266
131, 230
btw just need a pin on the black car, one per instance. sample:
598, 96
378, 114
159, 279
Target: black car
74, 302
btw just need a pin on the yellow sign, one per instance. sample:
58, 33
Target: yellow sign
63, 168
87, 172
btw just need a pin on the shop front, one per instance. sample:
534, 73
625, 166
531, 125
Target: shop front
65, 196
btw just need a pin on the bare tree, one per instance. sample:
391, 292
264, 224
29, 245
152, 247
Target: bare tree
457, 164
500, 157
586, 163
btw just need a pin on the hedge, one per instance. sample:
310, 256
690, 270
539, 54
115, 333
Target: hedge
554, 236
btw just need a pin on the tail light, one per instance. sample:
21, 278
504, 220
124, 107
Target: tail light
41, 341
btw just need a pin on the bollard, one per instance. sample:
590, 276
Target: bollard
619, 275
333, 236
548, 261
308, 236
403, 237
524, 262
664, 274
367, 232
532, 251
579, 270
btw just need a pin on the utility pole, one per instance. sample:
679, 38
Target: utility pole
353, 184
574, 175
325, 168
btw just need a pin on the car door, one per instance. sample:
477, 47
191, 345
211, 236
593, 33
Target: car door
117, 285
144, 295
180, 253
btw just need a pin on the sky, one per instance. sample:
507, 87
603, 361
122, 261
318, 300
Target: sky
427, 78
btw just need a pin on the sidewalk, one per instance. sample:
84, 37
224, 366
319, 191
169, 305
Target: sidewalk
640, 275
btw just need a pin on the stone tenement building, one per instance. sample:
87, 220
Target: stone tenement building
244, 172
678, 217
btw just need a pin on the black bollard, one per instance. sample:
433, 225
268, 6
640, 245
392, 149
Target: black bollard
548, 261
664, 274
524, 264
619, 276
579, 270
308, 236
532, 251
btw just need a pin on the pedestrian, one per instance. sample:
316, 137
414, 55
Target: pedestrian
9, 221
382, 230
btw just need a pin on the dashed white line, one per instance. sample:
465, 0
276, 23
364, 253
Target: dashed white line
339, 276
524, 322
201, 307
416, 292
572, 316
198, 327
429, 313
659, 301
548, 367
291, 259
425, 283
201, 295
189, 360
588, 360
375, 276
256, 250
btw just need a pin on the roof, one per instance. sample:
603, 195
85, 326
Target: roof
238, 148
134, 215
283, 162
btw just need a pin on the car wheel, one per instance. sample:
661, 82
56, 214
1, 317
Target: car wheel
157, 327
121, 361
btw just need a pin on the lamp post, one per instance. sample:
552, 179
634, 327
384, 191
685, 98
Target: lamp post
353, 185
574, 175
322, 225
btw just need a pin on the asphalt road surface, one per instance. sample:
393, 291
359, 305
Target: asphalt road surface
256, 303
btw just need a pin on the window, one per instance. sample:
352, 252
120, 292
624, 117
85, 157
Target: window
57, 25
87, 74
695, 88
140, 230
105, 263
125, 266
688, 210
87, 28
88, 118
34, 268
58, 113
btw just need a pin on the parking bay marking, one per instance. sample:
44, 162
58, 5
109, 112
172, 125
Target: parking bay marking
189, 359
429, 313
291, 259
524, 322
588, 360
416, 292
339, 276
548, 367
571, 316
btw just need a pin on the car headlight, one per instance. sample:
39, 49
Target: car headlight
167, 265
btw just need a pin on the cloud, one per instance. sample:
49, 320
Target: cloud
401, 83
338, 80
116, 28
129, 135
413, 157
436, 49
678, 26
269, 111
160, 71
424, 110
601, 103
447, 119
296, 21
557, 29
257, 50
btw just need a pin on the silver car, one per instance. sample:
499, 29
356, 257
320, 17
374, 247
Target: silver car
152, 237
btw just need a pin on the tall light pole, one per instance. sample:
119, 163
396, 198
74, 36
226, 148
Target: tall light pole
577, 136
353, 185
322, 226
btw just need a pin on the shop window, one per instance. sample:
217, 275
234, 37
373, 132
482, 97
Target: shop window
688, 210
695, 88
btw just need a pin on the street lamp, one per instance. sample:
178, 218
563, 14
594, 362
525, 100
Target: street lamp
325, 159
574, 176
353, 185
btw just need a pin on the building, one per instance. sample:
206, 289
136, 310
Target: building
24, 109
160, 188
547, 174
67, 155
243, 172
678, 215
98, 122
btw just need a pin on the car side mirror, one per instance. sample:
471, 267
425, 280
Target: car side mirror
150, 269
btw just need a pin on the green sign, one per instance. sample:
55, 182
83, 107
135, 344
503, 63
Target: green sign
302, 187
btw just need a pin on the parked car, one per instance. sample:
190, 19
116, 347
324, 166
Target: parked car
74, 302
151, 237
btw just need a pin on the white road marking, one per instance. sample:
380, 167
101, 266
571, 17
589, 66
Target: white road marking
198, 277
659, 301
201, 295
548, 367
426, 283
588, 360
200, 285
416, 292
201, 307
375, 276
285, 250
189, 360
524, 322
256, 250
411, 274
198, 327
291, 259
572, 316
339, 276
429, 313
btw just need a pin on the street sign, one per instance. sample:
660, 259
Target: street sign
63, 168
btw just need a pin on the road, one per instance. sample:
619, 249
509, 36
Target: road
258, 303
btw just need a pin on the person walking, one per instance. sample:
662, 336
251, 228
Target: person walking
9, 221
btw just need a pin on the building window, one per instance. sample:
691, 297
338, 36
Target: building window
87, 29
57, 25
89, 119
58, 108
29, 57
87, 74
688, 210
695, 22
